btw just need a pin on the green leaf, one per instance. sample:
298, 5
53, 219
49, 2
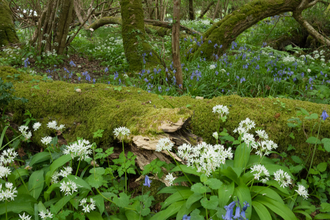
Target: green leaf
308, 216
242, 156
313, 140
79, 181
185, 211
95, 181
297, 159
98, 170
36, 183
225, 193
186, 169
296, 169
244, 195
55, 165
61, 203
210, 204
199, 188
178, 196
130, 214
304, 111
94, 216
17, 173
326, 142
261, 210
230, 173
50, 190
278, 208
122, 201
266, 191
39, 157
213, 183
167, 213
322, 216
99, 202
173, 189
192, 199
2, 136
312, 116
22, 203
322, 167
325, 207
195, 215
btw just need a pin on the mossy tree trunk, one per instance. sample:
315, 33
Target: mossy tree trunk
7, 29
138, 52
224, 32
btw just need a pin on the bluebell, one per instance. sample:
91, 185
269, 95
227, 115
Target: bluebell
147, 181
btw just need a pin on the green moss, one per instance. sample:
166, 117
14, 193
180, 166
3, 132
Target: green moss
7, 29
102, 107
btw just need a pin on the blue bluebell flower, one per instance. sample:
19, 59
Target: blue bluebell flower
229, 209
186, 217
147, 181
324, 115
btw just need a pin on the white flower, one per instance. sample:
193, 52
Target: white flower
45, 215
302, 191
164, 144
170, 178
223, 70
258, 171
262, 134
81, 149
8, 156
4, 171
308, 70
212, 67
46, 140
68, 187
24, 217
55, 177
52, 124
24, 131
36, 126
66, 171
215, 135
87, 207
8, 192
222, 110
121, 132
244, 126
283, 178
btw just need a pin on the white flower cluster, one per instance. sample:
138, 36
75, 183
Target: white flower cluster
283, 178
289, 59
164, 144
220, 109
24, 130
66, 171
8, 156
87, 207
53, 125
212, 67
24, 217
244, 126
80, 148
259, 171
204, 157
8, 192
46, 214
302, 191
36, 126
121, 132
68, 187
46, 140
170, 178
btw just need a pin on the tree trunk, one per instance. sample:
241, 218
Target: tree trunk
138, 52
191, 10
206, 10
7, 28
176, 43
224, 32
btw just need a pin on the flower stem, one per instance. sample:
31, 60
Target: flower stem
124, 166
78, 166
180, 167
317, 138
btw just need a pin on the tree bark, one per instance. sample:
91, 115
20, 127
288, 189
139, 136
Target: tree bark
216, 10
206, 10
138, 52
176, 43
191, 10
224, 32
7, 28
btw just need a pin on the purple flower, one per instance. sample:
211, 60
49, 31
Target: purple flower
324, 115
106, 69
26, 62
160, 89
229, 209
72, 63
237, 213
147, 181
186, 217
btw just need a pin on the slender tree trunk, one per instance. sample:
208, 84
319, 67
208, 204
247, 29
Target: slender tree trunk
176, 43
7, 28
216, 10
191, 10
206, 10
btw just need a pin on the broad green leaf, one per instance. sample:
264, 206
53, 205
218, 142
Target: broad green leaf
213, 183
308, 216
130, 214
167, 213
313, 140
79, 181
255, 159
39, 157
55, 165
230, 173
322, 216
266, 191
36, 183
225, 193
95, 181
22, 203
99, 202
278, 208
261, 210
94, 216
325, 207
2, 136
312, 116
186, 169
322, 167
50, 190
173, 189
192, 199
122, 201
199, 188
61, 203
186, 211
195, 215
326, 142
178, 196
210, 204
297, 159
17, 173
304, 111
98, 170
296, 169
242, 156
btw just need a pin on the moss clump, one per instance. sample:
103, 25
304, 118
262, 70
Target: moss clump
7, 29
102, 107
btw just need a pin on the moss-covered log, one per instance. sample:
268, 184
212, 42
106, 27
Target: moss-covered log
100, 106
7, 28
225, 31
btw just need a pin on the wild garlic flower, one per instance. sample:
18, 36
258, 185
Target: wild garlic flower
244, 126
212, 67
283, 178
121, 132
53, 125
36, 126
206, 158
24, 217
220, 109
215, 135
262, 134
46, 214
81, 149
55, 177
4, 171
46, 140
170, 178
8, 192
265, 147
87, 206
66, 171
259, 171
164, 144
24, 130
68, 187
8, 156
302, 191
